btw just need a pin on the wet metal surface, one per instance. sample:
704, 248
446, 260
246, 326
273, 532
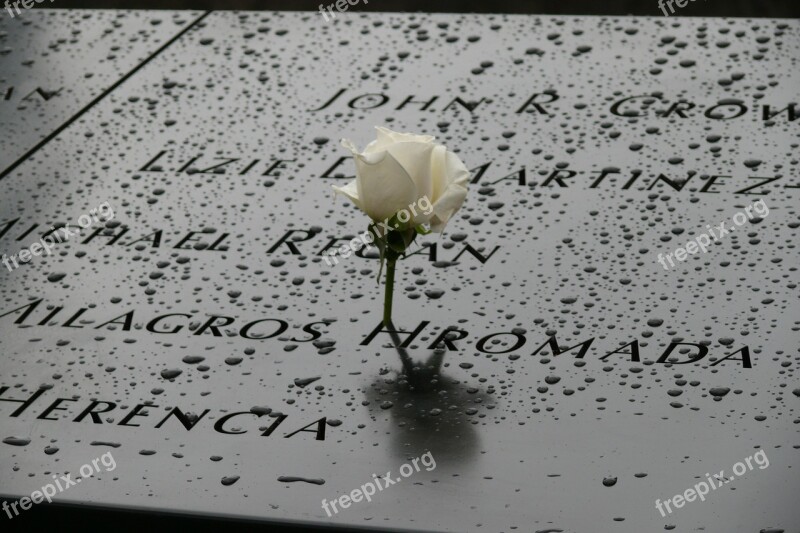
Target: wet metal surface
596, 144
53, 63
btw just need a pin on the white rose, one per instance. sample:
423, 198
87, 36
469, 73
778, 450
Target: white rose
397, 170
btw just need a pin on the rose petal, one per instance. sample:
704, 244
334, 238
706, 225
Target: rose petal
386, 138
350, 191
384, 187
415, 158
456, 174
446, 207
347, 143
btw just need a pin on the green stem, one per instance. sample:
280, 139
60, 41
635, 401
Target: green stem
389, 292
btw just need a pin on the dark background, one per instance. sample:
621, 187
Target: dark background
695, 8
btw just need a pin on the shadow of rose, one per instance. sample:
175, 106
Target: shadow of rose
427, 409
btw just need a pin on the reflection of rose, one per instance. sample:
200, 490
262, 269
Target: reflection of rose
396, 170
